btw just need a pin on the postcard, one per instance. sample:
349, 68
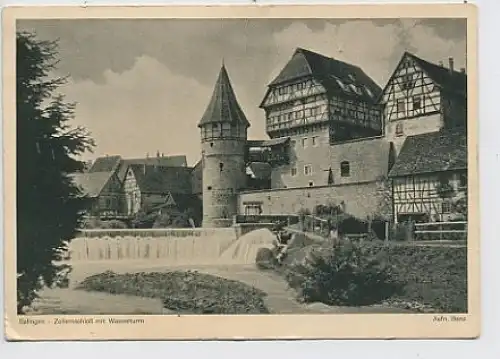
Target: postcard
241, 172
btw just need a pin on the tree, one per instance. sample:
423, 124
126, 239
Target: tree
49, 205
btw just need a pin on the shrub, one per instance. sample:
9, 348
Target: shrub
113, 224
434, 276
349, 276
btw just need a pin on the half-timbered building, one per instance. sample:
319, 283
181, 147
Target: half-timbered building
316, 102
148, 186
422, 97
430, 172
103, 192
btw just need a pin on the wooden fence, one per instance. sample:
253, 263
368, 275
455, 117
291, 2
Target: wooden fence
440, 231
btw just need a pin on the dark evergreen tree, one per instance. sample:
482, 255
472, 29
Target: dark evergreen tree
49, 205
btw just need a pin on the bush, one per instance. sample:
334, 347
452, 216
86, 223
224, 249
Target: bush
349, 276
434, 276
183, 292
113, 224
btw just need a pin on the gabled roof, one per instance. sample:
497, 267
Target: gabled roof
446, 79
105, 164
165, 161
160, 179
439, 151
91, 183
223, 105
259, 170
335, 75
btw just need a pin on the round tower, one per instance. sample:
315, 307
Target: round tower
223, 142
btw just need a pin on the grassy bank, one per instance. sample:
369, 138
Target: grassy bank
433, 278
183, 292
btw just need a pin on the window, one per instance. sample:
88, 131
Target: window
417, 103
221, 166
407, 82
314, 140
307, 170
345, 169
304, 142
311, 184
463, 180
445, 207
401, 105
399, 129
293, 171
253, 209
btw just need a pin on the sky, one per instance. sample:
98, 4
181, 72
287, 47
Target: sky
141, 86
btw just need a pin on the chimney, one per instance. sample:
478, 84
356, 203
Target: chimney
462, 70
157, 153
440, 63
147, 154
450, 61
144, 168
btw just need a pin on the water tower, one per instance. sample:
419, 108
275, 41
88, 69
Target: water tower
223, 142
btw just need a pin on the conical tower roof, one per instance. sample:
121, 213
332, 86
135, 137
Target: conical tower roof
223, 106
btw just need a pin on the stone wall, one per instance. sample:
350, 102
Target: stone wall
361, 199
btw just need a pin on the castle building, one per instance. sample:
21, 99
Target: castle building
223, 129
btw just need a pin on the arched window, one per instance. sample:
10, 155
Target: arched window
345, 169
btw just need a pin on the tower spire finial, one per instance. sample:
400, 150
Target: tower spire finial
223, 61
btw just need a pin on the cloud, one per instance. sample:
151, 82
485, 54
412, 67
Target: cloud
142, 86
142, 110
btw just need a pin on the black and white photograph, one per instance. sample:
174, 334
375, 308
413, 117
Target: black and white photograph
241, 167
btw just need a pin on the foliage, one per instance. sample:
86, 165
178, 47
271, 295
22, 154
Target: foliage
172, 218
184, 292
49, 205
95, 223
435, 276
384, 210
349, 276
330, 209
144, 220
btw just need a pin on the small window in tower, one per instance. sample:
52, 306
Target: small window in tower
417, 103
345, 169
314, 140
209, 188
311, 183
304, 142
399, 129
221, 166
308, 170
293, 171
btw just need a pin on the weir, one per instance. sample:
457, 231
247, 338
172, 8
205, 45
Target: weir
170, 246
